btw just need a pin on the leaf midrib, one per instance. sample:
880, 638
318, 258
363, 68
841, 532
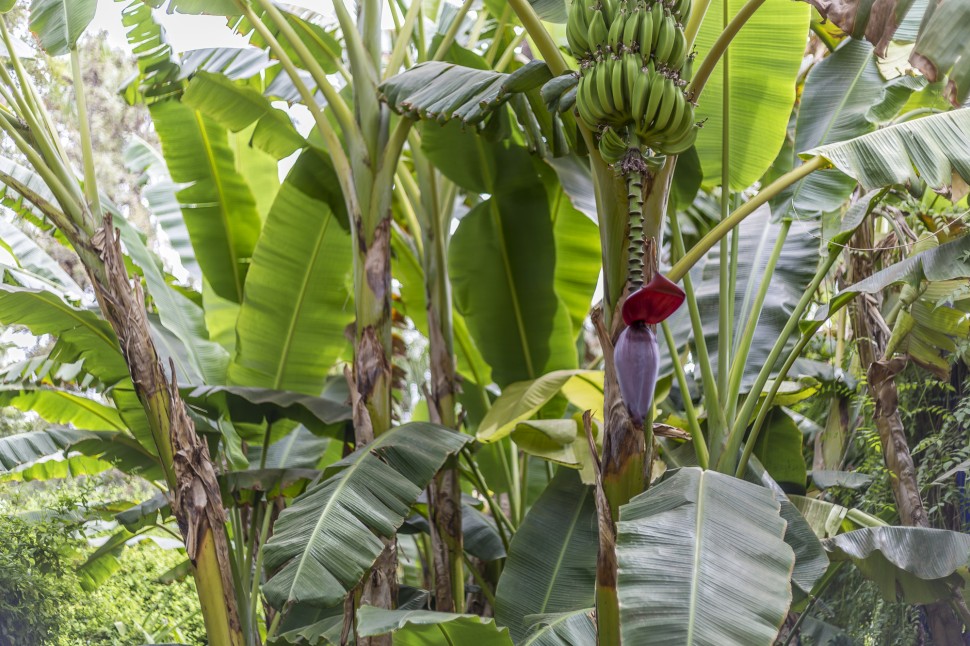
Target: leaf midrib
220, 191
565, 547
698, 545
346, 476
301, 298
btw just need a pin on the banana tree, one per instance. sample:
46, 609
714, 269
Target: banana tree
531, 159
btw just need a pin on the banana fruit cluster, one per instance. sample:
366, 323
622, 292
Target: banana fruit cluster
634, 65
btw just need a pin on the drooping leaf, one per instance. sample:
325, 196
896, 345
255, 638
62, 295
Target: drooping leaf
22, 448
363, 500
761, 88
59, 23
522, 400
577, 257
417, 627
321, 415
103, 562
945, 262
933, 150
296, 306
552, 558
847, 479
779, 448
445, 91
702, 560
145, 513
895, 558
57, 467
321, 41
33, 258
218, 206
81, 333
59, 406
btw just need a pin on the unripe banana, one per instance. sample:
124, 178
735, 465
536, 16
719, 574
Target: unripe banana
568, 99
617, 87
682, 10
577, 29
686, 138
604, 90
639, 96
631, 30
687, 69
615, 36
588, 105
657, 14
678, 53
610, 9
631, 71
654, 96
597, 34
665, 42
612, 146
555, 87
667, 105
646, 35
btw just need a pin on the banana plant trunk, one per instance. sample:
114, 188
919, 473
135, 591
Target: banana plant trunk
445, 492
191, 478
627, 455
872, 334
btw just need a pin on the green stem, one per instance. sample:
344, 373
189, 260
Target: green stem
700, 442
693, 26
502, 523
726, 461
912, 114
766, 405
543, 40
402, 40
345, 118
819, 31
496, 43
257, 570
87, 151
751, 325
719, 49
509, 54
725, 293
334, 147
480, 580
689, 259
716, 421
453, 28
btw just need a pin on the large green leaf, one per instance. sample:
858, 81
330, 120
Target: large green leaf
934, 150
321, 42
237, 107
290, 329
577, 257
702, 560
81, 333
421, 627
761, 88
563, 629
364, 499
218, 206
57, 468
896, 559
521, 400
59, 23
552, 558
845, 96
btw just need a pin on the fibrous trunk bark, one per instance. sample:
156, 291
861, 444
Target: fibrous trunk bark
196, 498
371, 384
872, 335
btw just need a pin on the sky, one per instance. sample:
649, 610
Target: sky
184, 32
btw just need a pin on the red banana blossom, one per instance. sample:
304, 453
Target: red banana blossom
637, 355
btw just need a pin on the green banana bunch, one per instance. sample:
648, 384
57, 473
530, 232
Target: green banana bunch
634, 57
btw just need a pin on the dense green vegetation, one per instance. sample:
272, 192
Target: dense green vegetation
548, 323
